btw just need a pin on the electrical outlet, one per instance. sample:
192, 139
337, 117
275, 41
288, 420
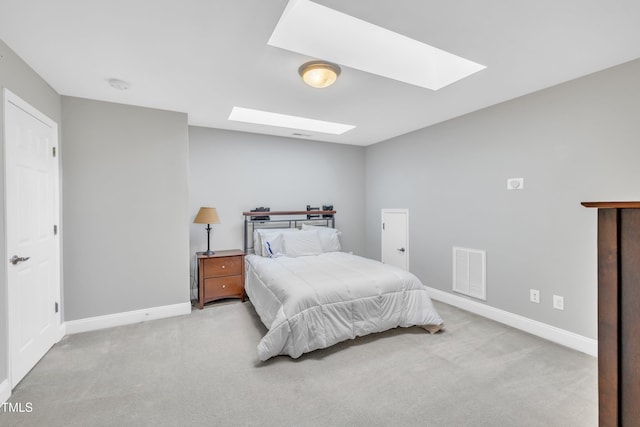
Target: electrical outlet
534, 296
558, 302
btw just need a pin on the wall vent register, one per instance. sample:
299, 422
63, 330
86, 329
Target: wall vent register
469, 272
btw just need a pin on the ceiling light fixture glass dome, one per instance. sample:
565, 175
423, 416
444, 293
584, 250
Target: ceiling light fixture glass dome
319, 74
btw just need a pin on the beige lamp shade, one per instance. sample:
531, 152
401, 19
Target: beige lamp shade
207, 216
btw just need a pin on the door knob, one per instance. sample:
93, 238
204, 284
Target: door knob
401, 249
16, 259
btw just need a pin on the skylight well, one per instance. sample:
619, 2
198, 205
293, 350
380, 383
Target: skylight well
320, 32
267, 118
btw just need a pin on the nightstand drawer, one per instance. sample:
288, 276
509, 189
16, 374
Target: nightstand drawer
224, 266
219, 287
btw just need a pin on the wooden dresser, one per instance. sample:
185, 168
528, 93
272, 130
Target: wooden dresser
220, 275
618, 312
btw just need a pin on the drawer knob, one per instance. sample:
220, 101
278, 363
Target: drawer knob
223, 266
224, 286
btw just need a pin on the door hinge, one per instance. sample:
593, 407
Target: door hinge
55, 230
383, 225
54, 151
56, 306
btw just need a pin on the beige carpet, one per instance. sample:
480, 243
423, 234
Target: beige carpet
202, 369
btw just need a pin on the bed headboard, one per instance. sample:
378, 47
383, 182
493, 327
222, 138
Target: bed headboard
284, 219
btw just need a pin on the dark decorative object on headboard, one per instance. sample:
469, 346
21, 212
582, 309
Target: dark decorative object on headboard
310, 208
261, 218
327, 208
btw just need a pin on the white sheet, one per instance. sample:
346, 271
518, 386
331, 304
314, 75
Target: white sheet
313, 302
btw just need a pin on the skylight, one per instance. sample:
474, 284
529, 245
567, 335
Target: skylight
247, 115
320, 32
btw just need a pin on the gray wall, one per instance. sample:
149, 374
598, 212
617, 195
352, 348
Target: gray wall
20, 79
125, 205
236, 171
579, 141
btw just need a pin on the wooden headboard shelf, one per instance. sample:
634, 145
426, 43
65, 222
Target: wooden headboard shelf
281, 213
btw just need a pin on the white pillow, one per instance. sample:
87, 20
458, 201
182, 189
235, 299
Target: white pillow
272, 245
304, 243
329, 237
257, 243
258, 233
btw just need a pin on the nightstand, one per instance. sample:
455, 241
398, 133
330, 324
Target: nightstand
220, 275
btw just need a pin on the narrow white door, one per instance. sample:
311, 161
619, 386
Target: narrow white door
33, 268
395, 237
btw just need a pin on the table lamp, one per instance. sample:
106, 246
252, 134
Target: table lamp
207, 216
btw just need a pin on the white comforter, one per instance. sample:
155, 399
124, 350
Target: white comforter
314, 302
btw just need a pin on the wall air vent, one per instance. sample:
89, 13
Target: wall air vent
469, 272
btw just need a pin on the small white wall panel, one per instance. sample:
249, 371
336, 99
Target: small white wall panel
469, 272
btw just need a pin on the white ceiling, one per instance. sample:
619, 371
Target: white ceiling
203, 57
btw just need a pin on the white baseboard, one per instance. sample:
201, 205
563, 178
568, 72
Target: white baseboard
5, 391
62, 331
551, 333
126, 318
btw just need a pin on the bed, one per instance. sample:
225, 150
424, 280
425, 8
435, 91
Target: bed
310, 295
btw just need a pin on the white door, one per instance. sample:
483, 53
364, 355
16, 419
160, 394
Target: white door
395, 237
33, 268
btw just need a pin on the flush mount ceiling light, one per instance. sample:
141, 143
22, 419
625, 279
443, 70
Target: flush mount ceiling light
319, 74
314, 30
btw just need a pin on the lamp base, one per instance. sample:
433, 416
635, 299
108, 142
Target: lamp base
208, 252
